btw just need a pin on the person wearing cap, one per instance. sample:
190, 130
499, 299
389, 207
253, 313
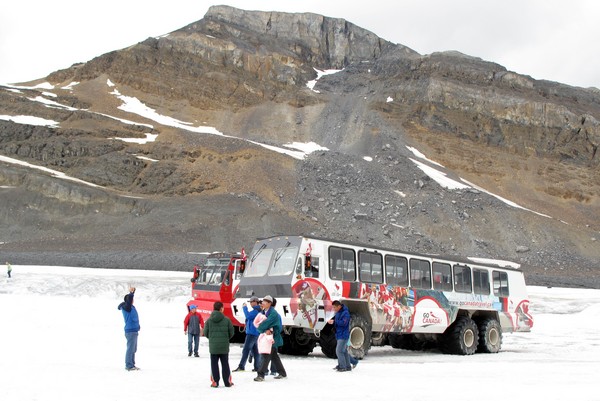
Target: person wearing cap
132, 327
219, 330
250, 311
192, 326
271, 325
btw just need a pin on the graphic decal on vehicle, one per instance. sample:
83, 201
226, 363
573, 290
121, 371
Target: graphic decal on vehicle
310, 301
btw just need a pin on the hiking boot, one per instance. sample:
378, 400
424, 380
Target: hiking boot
189, 354
259, 379
238, 369
197, 355
280, 377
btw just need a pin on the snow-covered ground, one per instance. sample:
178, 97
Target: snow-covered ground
61, 338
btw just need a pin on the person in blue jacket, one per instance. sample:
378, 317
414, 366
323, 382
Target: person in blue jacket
132, 327
251, 336
341, 323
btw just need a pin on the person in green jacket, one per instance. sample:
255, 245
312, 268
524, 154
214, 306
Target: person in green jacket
271, 325
219, 330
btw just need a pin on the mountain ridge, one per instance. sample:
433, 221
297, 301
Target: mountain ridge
245, 73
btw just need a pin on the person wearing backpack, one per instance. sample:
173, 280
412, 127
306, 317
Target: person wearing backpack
192, 326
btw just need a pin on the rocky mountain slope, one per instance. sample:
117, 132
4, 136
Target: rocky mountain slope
225, 97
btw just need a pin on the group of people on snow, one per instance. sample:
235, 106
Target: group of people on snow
263, 337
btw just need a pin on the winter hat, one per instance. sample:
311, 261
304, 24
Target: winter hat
253, 299
268, 298
192, 306
126, 297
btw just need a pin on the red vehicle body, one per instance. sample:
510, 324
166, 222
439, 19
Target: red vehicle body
217, 279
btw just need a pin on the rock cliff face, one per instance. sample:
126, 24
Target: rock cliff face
244, 74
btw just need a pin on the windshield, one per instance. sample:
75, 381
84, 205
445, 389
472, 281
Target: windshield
274, 262
213, 272
259, 263
284, 261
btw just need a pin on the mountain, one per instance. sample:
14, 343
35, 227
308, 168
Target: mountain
183, 145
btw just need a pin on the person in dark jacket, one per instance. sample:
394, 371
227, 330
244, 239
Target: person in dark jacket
341, 323
192, 326
271, 325
251, 336
219, 330
132, 327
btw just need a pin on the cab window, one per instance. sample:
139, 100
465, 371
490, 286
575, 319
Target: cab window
311, 266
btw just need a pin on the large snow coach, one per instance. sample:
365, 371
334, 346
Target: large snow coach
217, 279
405, 299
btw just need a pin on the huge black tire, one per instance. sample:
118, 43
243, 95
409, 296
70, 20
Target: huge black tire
239, 335
406, 341
378, 339
328, 342
461, 338
297, 343
490, 336
360, 336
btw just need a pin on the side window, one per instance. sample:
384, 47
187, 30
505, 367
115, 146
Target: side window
240, 266
420, 274
442, 276
462, 278
299, 265
349, 265
481, 281
371, 267
336, 271
500, 282
341, 264
396, 270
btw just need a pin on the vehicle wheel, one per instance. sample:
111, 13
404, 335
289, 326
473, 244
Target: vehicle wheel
406, 341
378, 339
328, 342
239, 335
490, 336
461, 338
360, 337
297, 343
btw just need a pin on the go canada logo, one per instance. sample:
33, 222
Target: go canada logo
430, 318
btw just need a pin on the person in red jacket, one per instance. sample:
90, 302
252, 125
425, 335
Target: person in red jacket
193, 324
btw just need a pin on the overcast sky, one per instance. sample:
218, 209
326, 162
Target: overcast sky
546, 39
